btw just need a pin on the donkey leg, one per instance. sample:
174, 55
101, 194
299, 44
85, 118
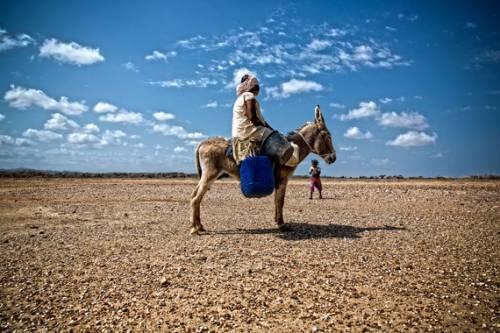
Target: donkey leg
197, 197
198, 194
279, 202
195, 191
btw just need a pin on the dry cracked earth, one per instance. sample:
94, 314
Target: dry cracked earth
116, 255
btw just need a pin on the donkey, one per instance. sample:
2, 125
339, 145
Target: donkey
211, 162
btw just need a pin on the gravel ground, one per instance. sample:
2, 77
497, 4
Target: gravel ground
116, 255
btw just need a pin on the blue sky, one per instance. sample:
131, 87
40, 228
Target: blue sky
405, 88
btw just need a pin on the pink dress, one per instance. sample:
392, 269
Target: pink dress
315, 179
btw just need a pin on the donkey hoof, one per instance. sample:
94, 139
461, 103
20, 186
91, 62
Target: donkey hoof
194, 231
201, 228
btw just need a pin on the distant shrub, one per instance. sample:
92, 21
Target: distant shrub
28, 173
485, 176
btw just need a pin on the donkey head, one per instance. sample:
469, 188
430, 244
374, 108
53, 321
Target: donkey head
318, 138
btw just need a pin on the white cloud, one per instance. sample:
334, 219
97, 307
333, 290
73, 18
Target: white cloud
356, 133
299, 86
380, 162
411, 18
365, 110
336, 32
9, 42
157, 55
337, 105
488, 56
412, 120
192, 43
163, 116
404, 120
21, 98
413, 139
389, 28
293, 87
130, 66
8, 140
348, 148
91, 128
318, 45
373, 55
82, 138
123, 116
179, 149
385, 100
179, 83
437, 155
71, 53
192, 142
301, 50
103, 107
139, 145
271, 54
2, 117
60, 122
112, 137
23, 142
41, 135
470, 25
213, 104
178, 131
265, 59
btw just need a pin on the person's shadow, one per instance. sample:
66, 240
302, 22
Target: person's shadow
301, 231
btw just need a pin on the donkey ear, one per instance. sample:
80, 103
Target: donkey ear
318, 116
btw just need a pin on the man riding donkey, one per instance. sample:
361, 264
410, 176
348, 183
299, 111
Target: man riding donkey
250, 130
251, 133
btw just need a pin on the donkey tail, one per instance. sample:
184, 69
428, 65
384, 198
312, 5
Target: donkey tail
197, 160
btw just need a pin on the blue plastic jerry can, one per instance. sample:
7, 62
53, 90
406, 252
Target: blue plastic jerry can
256, 176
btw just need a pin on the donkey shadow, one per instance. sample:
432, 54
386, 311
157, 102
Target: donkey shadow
302, 231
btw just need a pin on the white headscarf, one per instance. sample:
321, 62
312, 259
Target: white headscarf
247, 85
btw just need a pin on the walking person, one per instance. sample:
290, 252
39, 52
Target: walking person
315, 172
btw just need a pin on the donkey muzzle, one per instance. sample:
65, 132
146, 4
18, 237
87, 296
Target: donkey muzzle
331, 158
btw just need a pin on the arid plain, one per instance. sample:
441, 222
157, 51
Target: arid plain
116, 255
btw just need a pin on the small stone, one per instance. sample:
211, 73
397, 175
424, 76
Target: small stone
164, 282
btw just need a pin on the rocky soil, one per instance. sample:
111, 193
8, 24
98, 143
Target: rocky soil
116, 255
